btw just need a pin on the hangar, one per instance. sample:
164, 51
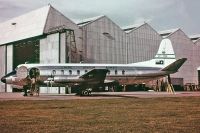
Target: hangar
183, 48
142, 42
41, 36
46, 36
103, 41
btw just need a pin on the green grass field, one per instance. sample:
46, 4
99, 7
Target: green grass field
112, 115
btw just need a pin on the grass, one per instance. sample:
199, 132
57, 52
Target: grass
112, 115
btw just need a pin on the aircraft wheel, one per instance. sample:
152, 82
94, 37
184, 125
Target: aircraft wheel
85, 93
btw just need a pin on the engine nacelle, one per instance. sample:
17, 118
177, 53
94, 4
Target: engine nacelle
22, 72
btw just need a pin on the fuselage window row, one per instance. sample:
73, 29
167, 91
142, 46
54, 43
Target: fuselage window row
78, 72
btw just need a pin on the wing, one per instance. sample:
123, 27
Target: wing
95, 74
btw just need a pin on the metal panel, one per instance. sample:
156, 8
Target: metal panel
2, 66
49, 53
56, 20
143, 43
49, 49
104, 42
183, 48
25, 26
9, 63
63, 48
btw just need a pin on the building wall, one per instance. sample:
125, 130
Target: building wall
63, 48
183, 48
2, 66
104, 42
143, 43
56, 20
9, 64
196, 57
49, 49
49, 53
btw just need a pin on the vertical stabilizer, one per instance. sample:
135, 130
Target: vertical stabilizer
165, 50
164, 57
165, 54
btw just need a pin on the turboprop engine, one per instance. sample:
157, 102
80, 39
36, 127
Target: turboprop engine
22, 72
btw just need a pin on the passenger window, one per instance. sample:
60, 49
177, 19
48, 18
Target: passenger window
115, 72
70, 72
54, 72
62, 72
78, 72
123, 72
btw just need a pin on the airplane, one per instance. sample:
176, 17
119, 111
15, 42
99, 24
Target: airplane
85, 76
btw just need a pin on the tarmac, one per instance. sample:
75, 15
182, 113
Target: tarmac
98, 95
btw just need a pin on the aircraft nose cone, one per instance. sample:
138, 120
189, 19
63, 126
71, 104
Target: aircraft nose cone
3, 79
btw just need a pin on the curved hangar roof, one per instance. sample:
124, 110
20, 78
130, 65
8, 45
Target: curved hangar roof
25, 26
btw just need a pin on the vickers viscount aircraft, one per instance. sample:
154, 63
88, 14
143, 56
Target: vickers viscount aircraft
87, 76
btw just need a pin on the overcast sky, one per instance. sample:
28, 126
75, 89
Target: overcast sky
160, 14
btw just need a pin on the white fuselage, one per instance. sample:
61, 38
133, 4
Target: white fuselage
69, 74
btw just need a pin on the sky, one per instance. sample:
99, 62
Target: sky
160, 14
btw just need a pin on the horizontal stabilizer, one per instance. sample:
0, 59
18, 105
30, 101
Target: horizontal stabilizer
173, 67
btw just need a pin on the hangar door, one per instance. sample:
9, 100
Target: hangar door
199, 76
26, 52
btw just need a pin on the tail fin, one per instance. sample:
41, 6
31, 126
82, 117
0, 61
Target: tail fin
173, 67
165, 54
165, 50
164, 57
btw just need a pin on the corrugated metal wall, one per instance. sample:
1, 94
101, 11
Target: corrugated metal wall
104, 42
196, 58
2, 66
143, 43
49, 53
56, 20
183, 48
49, 49
9, 63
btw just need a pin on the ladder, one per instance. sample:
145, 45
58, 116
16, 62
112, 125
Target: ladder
71, 50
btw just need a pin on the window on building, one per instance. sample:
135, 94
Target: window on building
78, 72
108, 35
70, 72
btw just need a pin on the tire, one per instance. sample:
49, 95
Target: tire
85, 93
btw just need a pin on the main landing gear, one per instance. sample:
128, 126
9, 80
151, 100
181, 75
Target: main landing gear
85, 92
